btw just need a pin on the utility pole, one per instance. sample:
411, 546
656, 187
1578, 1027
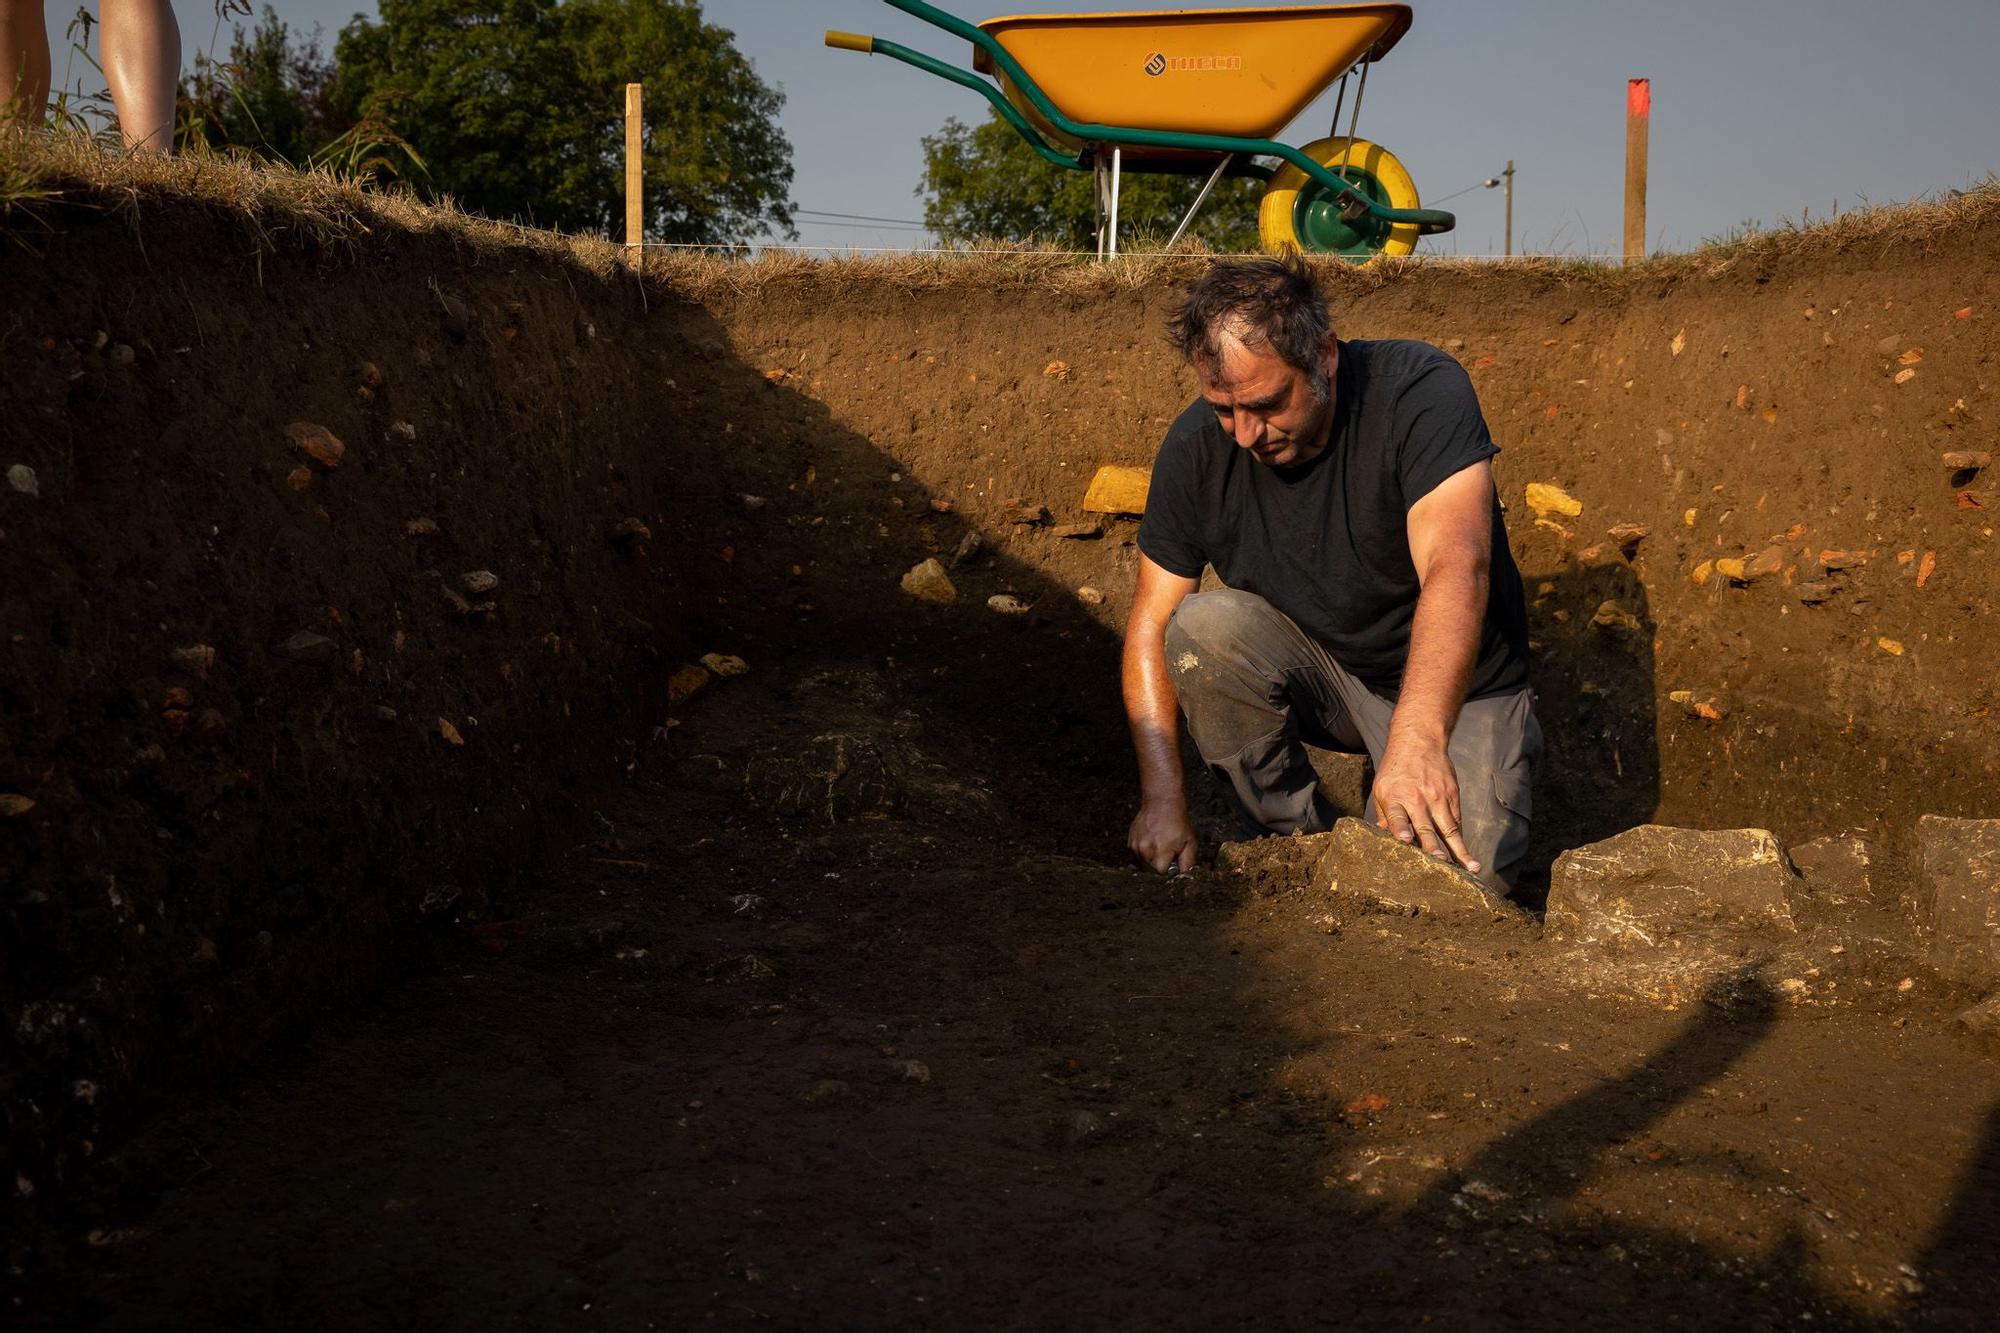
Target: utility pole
1638, 123
1508, 176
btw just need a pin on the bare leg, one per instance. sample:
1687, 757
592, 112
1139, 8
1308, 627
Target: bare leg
142, 59
24, 64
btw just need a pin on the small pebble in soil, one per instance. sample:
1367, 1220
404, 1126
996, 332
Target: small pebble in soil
196, 658
1007, 604
1080, 1126
927, 582
306, 646
316, 442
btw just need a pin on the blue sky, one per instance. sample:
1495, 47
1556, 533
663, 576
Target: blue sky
1761, 108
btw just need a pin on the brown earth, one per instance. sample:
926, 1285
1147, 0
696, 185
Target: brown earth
823, 995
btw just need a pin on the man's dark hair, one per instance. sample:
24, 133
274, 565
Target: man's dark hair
1261, 302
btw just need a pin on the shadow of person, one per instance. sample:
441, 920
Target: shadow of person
1736, 1012
1590, 626
1957, 1262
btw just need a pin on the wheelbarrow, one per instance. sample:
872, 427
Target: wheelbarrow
1198, 93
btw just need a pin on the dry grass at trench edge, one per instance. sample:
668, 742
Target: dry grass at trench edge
44, 174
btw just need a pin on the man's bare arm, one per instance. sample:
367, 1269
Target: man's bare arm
1161, 836
1451, 544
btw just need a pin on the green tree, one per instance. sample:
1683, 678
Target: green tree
985, 182
270, 97
517, 108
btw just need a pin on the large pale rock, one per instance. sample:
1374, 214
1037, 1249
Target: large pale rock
1842, 869
1360, 860
1982, 1021
1651, 883
1850, 899
1958, 896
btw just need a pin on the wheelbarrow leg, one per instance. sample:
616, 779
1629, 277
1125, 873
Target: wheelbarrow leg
1098, 172
1117, 163
1107, 203
1201, 198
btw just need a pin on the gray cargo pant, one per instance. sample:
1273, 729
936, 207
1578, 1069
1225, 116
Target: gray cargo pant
1253, 686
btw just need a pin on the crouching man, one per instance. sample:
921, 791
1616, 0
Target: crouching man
1343, 492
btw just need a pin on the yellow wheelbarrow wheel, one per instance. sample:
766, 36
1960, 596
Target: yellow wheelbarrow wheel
1298, 213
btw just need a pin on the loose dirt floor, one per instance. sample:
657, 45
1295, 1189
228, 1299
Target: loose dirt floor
732, 1066
844, 1008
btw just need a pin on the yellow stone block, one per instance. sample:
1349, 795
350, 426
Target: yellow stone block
1117, 489
1731, 569
1546, 499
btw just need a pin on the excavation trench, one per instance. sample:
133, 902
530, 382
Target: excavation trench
825, 982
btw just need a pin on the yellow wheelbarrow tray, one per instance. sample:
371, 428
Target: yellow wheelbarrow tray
1245, 73
1196, 92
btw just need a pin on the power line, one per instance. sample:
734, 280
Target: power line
858, 217
1483, 185
864, 226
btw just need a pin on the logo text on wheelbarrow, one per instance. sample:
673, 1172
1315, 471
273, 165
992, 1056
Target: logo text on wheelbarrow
1160, 63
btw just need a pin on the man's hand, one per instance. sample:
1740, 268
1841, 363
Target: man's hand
1451, 544
1416, 798
1162, 838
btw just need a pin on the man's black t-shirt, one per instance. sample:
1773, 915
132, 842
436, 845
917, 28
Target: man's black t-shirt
1326, 542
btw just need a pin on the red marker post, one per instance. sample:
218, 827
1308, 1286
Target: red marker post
1638, 122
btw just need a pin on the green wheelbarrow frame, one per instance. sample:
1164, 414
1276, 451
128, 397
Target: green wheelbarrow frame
1354, 203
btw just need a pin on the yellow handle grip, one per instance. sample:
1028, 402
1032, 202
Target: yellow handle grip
851, 41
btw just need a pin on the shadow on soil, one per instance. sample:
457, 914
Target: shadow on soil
1600, 768
848, 1008
1958, 1258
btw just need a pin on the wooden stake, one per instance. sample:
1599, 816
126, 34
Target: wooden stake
1638, 121
635, 173
1509, 174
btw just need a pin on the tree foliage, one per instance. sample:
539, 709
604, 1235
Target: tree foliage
984, 182
517, 109
270, 97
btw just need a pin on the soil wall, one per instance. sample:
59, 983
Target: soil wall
275, 713
273, 735
1797, 399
